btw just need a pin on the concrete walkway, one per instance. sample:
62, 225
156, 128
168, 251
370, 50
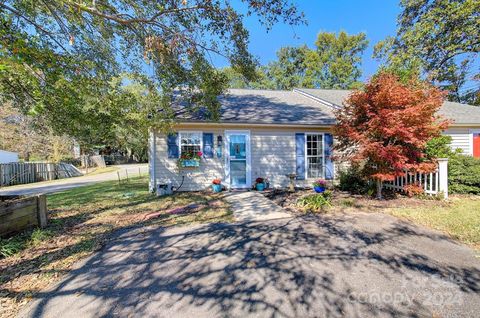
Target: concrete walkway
133, 170
253, 206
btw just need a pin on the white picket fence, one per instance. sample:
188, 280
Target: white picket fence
433, 183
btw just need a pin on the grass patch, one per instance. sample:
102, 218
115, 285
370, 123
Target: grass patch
80, 221
460, 219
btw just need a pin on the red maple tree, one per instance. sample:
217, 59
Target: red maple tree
384, 127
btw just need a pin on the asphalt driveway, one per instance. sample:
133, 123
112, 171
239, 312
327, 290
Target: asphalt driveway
358, 265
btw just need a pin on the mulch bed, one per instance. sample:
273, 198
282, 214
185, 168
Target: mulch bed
347, 202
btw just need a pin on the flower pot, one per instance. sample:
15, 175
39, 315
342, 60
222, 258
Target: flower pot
260, 186
319, 189
217, 187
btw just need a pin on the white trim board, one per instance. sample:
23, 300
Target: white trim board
306, 155
179, 141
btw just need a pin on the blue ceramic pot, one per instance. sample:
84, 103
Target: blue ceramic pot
217, 187
260, 186
319, 189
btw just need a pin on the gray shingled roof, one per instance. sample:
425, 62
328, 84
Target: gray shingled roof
299, 106
459, 113
266, 107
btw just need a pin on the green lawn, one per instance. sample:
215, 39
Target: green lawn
460, 219
80, 221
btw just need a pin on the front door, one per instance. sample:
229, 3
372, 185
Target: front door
476, 145
238, 159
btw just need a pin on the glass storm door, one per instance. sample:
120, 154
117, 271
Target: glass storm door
238, 165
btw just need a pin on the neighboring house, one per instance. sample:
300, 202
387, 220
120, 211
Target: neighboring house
8, 156
268, 133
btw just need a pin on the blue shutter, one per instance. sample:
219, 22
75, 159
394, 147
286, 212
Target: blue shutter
328, 156
300, 153
208, 145
172, 143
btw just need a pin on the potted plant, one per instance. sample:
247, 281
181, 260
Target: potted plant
319, 185
259, 184
217, 185
190, 159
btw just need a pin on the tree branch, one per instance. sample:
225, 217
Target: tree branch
36, 25
118, 17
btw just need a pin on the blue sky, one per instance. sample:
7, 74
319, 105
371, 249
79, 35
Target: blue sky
377, 18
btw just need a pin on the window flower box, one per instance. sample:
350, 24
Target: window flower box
190, 159
190, 163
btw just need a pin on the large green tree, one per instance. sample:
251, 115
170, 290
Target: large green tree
333, 63
59, 58
336, 63
439, 38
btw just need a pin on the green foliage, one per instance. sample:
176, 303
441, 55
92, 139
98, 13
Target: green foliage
39, 235
338, 59
61, 60
11, 246
334, 63
440, 39
464, 174
317, 202
463, 171
352, 180
439, 147
19, 242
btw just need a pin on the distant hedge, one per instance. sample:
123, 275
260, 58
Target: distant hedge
463, 174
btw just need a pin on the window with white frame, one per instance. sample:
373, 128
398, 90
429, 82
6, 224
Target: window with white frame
190, 142
314, 155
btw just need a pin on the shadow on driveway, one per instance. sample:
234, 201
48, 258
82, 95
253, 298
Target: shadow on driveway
317, 266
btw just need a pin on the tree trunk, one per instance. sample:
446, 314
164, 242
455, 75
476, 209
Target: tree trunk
379, 189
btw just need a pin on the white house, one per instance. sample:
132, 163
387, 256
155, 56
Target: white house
272, 134
8, 156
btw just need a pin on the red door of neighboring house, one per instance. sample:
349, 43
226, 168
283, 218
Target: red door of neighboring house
476, 145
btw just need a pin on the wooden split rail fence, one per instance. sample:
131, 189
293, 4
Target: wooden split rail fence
29, 172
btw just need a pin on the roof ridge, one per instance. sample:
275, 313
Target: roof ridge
315, 98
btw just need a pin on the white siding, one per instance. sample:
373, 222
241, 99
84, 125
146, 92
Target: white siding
166, 170
272, 156
461, 139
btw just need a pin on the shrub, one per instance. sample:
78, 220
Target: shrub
316, 202
413, 190
464, 174
439, 147
352, 181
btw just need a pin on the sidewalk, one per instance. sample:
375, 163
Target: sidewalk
253, 206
